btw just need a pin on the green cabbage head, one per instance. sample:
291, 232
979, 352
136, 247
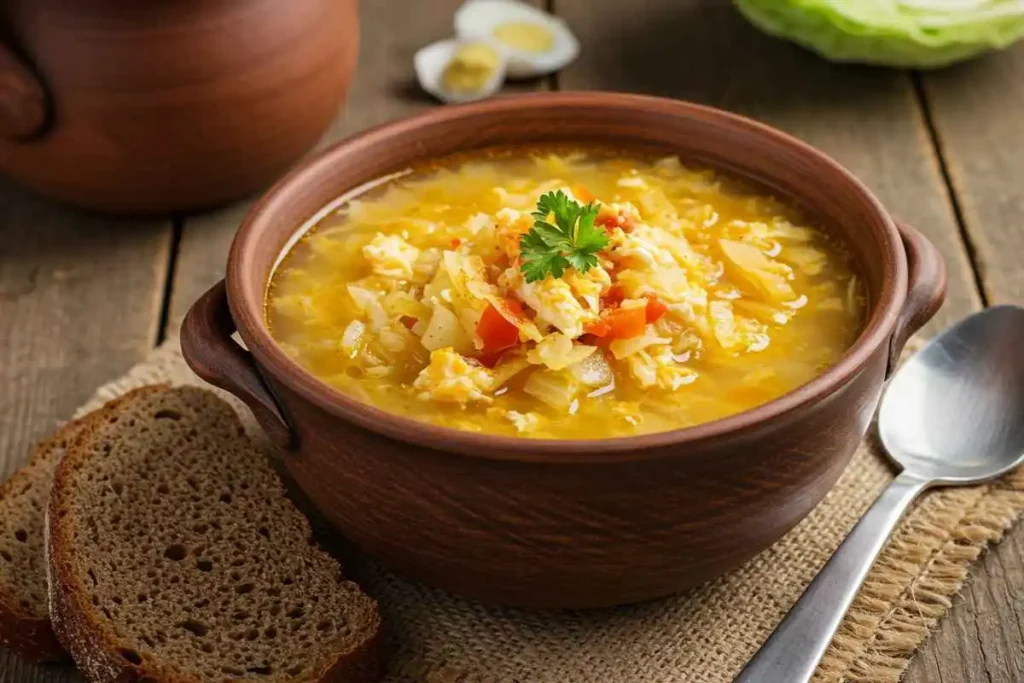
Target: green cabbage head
904, 33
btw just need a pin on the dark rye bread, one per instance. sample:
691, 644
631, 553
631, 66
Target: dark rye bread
24, 613
174, 555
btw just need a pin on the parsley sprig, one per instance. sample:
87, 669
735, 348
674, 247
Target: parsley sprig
572, 241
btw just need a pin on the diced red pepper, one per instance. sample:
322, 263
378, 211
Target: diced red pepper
599, 328
495, 328
614, 296
456, 242
621, 221
489, 360
582, 194
409, 321
621, 323
655, 309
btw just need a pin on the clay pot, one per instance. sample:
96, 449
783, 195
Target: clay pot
555, 523
167, 105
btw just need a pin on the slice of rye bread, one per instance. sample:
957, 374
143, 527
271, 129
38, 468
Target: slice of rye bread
24, 613
174, 555
25, 626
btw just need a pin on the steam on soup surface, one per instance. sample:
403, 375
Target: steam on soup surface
648, 296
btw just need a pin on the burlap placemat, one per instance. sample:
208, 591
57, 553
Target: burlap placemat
706, 635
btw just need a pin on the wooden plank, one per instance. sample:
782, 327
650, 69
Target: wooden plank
982, 639
704, 51
975, 109
384, 89
80, 302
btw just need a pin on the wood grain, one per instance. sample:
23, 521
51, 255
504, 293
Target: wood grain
704, 51
384, 89
80, 301
982, 639
975, 110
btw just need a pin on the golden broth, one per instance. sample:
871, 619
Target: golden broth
742, 300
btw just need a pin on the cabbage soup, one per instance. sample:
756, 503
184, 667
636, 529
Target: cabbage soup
563, 293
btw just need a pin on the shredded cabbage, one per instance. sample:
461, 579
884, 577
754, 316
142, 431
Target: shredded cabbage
557, 351
443, 330
903, 33
558, 389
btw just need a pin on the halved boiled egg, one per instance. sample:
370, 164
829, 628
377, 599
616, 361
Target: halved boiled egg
461, 70
537, 43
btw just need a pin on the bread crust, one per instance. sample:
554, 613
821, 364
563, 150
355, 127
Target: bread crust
29, 635
97, 655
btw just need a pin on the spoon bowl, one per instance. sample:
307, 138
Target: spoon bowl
952, 414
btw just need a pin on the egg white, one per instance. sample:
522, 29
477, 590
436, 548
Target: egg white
479, 18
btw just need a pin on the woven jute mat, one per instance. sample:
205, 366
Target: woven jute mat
707, 634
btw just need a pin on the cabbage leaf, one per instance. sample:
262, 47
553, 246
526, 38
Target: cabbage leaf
902, 33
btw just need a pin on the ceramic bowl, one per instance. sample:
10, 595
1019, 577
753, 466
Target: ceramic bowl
560, 523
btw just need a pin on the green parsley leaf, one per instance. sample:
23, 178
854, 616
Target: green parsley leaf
538, 267
572, 241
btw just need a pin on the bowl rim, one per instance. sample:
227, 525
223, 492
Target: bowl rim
276, 364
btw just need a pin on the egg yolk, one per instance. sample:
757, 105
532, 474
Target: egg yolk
525, 36
470, 68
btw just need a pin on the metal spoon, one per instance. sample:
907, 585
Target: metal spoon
952, 415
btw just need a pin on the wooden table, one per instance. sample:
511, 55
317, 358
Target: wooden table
83, 298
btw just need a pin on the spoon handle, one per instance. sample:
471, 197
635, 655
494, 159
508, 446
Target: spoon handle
793, 651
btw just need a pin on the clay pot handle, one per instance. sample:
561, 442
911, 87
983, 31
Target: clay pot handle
926, 288
22, 98
212, 354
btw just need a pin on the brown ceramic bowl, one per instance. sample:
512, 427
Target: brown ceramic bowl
554, 523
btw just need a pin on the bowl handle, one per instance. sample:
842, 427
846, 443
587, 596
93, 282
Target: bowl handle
926, 288
212, 354
23, 110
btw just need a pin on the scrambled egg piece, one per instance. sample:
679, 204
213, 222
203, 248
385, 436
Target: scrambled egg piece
589, 286
478, 222
557, 351
652, 361
735, 333
637, 248
426, 265
509, 226
451, 378
391, 256
553, 300
524, 422
657, 366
